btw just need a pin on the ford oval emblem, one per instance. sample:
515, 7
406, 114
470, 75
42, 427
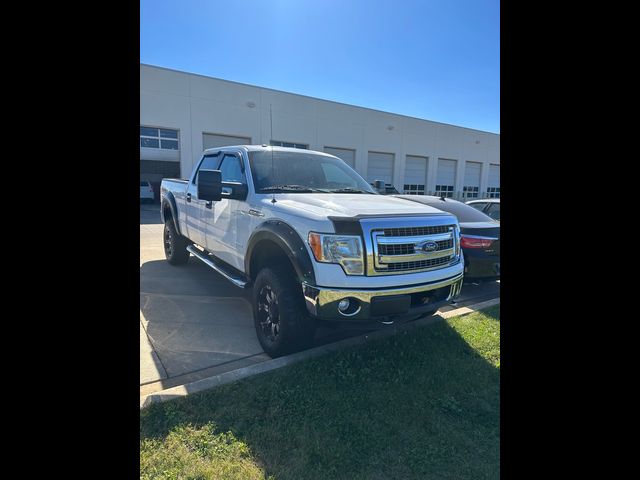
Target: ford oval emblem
428, 246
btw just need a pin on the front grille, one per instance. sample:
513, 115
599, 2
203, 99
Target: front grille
404, 266
409, 248
395, 253
415, 231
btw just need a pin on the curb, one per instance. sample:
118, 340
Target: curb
267, 366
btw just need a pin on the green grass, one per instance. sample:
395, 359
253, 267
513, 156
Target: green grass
422, 404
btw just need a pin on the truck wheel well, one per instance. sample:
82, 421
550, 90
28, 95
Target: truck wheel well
166, 212
268, 253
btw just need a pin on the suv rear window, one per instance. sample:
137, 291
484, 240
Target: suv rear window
144, 184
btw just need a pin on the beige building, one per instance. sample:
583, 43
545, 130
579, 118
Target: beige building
181, 114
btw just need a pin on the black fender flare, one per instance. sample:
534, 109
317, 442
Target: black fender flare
169, 199
284, 236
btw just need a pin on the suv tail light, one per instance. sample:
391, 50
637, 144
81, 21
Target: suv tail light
474, 241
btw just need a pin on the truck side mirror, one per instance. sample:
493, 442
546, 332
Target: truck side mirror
209, 185
380, 186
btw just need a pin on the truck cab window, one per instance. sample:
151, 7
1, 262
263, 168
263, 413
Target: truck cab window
231, 169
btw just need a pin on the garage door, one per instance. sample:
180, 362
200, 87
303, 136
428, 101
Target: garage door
154, 171
471, 187
445, 177
415, 175
380, 167
210, 140
493, 190
347, 155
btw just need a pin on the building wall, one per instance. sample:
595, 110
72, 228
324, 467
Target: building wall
194, 104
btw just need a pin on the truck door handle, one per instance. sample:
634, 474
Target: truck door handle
253, 212
188, 197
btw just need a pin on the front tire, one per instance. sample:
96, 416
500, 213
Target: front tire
282, 322
175, 245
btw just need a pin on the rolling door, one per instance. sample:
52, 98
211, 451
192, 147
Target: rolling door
154, 171
446, 177
380, 167
471, 186
415, 175
210, 140
493, 189
345, 154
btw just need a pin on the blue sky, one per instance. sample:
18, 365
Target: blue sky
432, 59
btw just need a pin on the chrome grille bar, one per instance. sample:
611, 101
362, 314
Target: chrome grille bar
384, 240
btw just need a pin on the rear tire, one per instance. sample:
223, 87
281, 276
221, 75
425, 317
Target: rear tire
282, 322
175, 245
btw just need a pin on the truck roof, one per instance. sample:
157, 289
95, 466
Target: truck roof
268, 148
483, 200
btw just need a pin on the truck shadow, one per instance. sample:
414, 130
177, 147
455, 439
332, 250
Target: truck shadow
196, 320
421, 404
179, 285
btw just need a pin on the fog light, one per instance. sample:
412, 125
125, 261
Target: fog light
349, 307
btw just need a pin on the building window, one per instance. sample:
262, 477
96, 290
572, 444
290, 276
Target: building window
278, 143
444, 191
162, 138
493, 192
413, 189
470, 192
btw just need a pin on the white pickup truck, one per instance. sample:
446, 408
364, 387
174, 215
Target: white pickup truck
312, 239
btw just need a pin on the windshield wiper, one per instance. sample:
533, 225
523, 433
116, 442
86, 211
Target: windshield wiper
291, 188
350, 190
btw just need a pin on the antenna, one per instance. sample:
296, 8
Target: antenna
273, 197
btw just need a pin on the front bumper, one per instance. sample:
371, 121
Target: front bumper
378, 304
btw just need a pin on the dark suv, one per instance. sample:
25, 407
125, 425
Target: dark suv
479, 236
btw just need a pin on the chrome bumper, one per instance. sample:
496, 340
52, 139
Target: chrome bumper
323, 302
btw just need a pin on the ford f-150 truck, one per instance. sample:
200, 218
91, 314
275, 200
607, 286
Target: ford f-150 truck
312, 239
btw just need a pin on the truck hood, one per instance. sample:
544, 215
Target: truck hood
350, 205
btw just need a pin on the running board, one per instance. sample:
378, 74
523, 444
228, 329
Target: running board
234, 278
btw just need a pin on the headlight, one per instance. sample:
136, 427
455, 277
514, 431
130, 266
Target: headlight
345, 250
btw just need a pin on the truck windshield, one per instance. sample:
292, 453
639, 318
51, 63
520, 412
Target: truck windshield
301, 172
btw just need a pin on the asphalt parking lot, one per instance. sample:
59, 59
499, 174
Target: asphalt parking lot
194, 323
